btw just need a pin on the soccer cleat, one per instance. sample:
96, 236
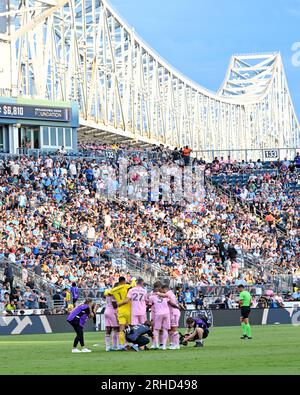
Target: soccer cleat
199, 344
135, 347
154, 347
244, 337
250, 338
162, 348
85, 350
75, 350
122, 348
174, 348
107, 348
113, 349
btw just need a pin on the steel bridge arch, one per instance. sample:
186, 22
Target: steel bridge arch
83, 50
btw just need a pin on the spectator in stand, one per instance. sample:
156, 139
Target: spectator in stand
10, 307
186, 155
296, 295
183, 241
57, 298
228, 302
9, 276
32, 300
297, 160
199, 304
67, 297
42, 301
74, 293
270, 220
188, 296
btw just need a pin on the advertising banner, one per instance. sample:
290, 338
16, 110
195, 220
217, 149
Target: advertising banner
39, 324
230, 317
20, 111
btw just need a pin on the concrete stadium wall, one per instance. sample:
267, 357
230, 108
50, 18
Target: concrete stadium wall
39, 324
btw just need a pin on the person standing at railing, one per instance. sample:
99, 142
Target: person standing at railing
74, 293
270, 220
186, 152
8, 276
67, 297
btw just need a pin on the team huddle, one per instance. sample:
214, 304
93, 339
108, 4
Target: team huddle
127, 326
126, 321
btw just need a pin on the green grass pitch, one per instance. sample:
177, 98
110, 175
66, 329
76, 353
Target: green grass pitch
273, 350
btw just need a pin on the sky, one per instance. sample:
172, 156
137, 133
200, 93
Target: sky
198, 37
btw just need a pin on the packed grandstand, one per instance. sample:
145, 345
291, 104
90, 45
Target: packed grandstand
59, 225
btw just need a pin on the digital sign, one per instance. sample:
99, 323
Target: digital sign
20, 111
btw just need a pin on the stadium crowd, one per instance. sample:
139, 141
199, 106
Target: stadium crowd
58, 222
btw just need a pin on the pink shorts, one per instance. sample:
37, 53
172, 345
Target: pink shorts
138, 319
162, 321
111, 319
175, 319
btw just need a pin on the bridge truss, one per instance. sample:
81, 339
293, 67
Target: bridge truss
83, 50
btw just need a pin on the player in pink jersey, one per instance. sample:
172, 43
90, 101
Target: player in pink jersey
111, 324
174, 318
138, 297
162, 318
156, 287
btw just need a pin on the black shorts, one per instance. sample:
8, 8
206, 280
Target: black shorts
204, 336
245, 311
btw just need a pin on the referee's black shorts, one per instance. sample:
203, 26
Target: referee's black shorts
245, 311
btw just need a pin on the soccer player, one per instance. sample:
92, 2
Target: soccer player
162, 318
139, 335
174, 318
119, 293
77, 319
111, 324
245, 303
156, 287
138, 297
197, 330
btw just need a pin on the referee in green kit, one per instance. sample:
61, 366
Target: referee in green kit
245, 303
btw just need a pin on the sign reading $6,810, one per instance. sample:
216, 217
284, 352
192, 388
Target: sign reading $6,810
62, 114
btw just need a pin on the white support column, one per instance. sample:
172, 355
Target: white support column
13, 135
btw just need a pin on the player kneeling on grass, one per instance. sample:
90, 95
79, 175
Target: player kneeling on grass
138, 336
197, 330
77, 319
